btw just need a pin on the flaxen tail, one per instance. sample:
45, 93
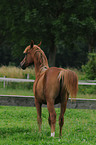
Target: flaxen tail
70, 81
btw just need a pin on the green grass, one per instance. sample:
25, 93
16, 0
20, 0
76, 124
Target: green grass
86, 96
18, 125
22, 92
29, 92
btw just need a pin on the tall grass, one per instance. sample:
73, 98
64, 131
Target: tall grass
15, 72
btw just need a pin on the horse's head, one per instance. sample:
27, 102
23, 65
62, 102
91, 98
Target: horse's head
29, 58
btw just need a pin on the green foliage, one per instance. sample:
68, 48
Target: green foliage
52, 23
90, 67
84, 90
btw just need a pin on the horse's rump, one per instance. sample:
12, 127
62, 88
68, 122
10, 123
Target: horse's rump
49, 85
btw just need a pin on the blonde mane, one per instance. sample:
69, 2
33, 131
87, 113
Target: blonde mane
26, 49
40, 56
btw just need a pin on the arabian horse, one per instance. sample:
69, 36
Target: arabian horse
52, 85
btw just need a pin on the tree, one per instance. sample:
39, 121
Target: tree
67, 23
90, 67
83, 21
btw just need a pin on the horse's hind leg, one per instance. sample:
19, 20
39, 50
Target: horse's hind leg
49, 120
63, 109
52, 117
39, 119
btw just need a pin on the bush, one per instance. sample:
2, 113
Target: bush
90, 67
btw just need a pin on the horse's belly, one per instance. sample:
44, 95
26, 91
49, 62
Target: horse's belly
40, 95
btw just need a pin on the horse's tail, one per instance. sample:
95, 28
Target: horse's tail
69, 81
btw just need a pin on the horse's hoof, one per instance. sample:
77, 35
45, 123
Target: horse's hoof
53, 134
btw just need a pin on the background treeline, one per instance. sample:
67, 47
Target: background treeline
67, 29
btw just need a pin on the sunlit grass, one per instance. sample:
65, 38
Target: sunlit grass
15, 72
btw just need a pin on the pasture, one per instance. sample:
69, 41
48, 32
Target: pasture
18, 125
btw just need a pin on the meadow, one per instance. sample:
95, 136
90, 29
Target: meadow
18, 125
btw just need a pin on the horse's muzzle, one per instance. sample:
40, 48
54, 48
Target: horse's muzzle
22, 65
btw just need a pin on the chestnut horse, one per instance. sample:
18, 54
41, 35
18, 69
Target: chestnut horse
52, 85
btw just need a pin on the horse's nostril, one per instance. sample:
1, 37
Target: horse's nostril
22, 65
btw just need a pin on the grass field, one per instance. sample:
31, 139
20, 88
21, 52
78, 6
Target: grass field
22, 92
18, 126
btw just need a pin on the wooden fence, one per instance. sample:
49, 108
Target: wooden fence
15, 100
82, 82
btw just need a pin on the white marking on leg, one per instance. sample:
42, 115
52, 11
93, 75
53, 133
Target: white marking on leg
52, 134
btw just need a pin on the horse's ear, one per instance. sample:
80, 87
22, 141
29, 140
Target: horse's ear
32, 43
39, 44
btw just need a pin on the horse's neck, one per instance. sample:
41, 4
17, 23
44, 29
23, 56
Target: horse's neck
40, 68
40, 62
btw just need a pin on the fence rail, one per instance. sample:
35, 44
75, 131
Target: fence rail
83, 82
16, 100
15, 80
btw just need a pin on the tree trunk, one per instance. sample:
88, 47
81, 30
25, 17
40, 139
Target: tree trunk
90, 48
52, 55
91, 44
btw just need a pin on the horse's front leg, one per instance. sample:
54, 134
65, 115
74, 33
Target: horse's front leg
52, 117
39, 119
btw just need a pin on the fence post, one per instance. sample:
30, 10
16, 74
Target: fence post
4, 82
27, 76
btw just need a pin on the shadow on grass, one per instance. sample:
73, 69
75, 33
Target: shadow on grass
10, 131
24, 133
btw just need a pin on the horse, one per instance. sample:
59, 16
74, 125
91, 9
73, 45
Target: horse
51, 86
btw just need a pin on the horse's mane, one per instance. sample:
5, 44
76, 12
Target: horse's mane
40, 55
